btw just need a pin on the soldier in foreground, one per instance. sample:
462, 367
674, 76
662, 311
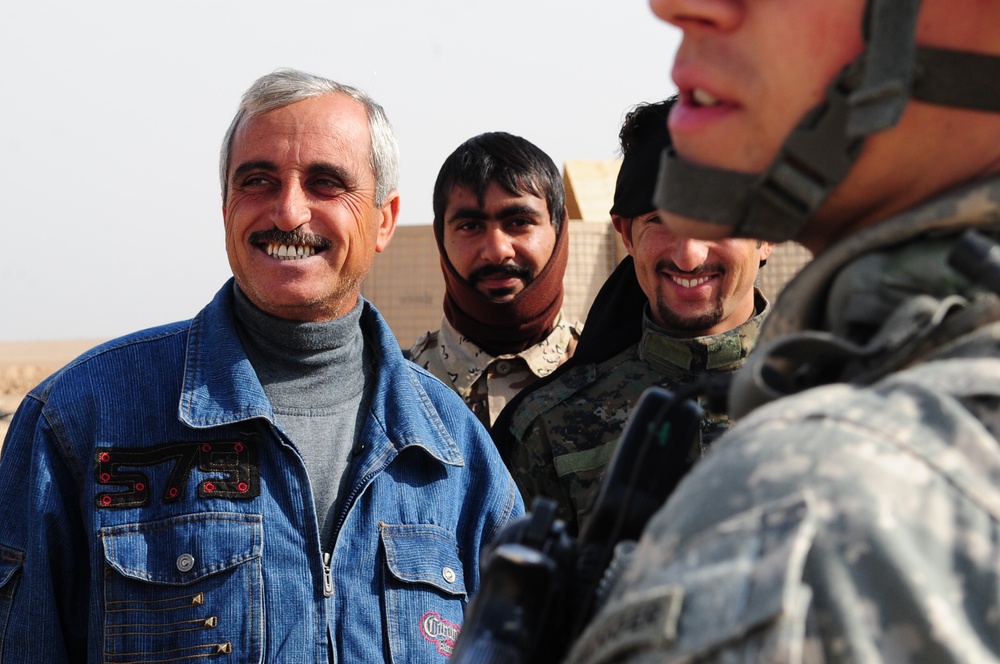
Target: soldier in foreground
852, 514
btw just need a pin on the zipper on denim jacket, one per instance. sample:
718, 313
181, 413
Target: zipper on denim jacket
335, 532
327, 574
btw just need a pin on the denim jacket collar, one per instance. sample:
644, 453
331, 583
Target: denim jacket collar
408, 413
221, 387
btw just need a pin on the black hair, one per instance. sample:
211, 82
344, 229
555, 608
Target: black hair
514, 163
643, 138
644, 123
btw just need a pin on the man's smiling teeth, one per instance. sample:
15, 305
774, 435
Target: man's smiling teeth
702, 98
289, 252
690, 283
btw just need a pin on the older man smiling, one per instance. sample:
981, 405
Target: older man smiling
151, 472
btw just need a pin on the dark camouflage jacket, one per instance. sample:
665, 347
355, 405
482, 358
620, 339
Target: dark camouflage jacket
566, 432
857, 520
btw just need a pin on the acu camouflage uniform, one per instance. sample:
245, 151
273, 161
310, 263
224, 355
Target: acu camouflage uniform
866, 510
485, 382
566, 432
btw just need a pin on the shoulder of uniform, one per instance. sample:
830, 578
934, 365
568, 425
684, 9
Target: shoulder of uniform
423, 343
548, 399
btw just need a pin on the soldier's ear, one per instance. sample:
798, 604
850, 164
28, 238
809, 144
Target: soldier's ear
765, 249
624, 227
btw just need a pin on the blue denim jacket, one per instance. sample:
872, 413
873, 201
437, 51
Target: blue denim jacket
152, 510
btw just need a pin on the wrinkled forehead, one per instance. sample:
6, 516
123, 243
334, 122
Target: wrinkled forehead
328, 128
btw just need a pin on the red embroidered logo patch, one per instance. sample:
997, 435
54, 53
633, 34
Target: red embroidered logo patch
440, 632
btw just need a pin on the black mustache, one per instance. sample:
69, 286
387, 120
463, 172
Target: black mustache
504, 270
298, 238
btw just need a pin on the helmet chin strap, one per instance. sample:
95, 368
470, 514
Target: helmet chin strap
868, 96
957, 78
774, 205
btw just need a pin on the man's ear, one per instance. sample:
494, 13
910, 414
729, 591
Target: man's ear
765, 249
624, 227
387, 226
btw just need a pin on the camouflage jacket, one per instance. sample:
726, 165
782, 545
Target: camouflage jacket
566, 432
857, 520
485, 382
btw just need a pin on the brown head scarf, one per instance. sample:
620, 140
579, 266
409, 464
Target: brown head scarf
506, 327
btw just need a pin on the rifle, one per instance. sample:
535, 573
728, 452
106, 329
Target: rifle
540, 587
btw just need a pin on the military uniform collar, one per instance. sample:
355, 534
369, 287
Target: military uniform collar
865, 304
716, 352
802, 303
467, 361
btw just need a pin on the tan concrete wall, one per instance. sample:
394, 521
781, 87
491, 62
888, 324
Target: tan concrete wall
785, 262
590, 187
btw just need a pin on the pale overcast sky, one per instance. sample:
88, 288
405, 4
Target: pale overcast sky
114, 111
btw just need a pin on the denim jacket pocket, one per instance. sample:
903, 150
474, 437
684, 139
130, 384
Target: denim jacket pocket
425, 592
11, 561
187, 587
736, 587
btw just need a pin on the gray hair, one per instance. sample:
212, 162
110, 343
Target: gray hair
287, 86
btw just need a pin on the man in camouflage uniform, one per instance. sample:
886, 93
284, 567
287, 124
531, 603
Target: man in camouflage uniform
854, 518
699, 313
500, 225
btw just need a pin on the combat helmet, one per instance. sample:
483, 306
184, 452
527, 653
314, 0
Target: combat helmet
866, 97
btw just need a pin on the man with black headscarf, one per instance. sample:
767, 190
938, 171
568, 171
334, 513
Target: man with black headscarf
674, 309
500, 224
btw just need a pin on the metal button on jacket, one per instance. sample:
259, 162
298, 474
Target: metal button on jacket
448, 574
185, 562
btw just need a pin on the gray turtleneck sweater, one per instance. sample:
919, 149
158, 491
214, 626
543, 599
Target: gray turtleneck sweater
318, 378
